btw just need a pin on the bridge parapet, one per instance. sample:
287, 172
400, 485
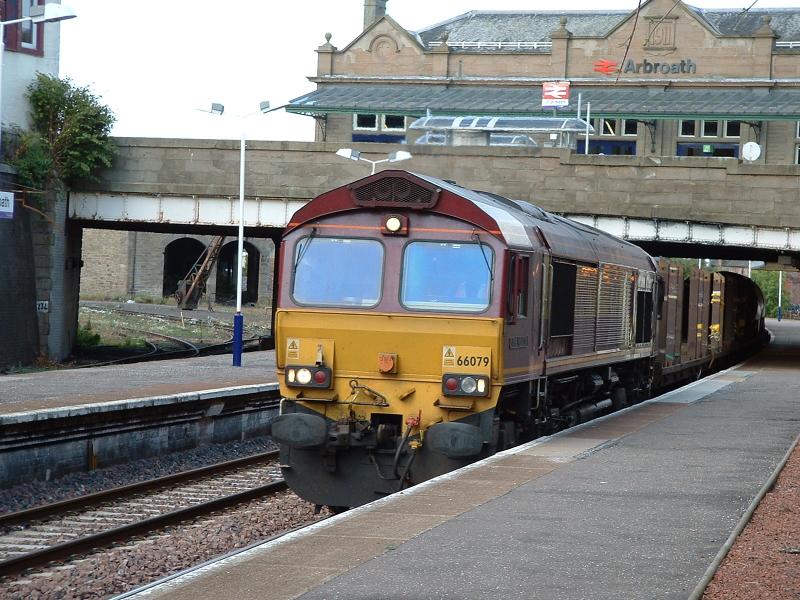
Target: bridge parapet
196, 182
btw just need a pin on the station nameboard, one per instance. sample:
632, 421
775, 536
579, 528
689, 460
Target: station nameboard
6, 205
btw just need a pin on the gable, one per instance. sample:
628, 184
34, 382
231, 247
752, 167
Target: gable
385, 31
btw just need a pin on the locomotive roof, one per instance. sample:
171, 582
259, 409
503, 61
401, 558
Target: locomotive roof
519, 224
519, 220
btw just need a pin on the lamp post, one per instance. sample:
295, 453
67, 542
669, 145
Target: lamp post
49, 13
238, 319
351, 154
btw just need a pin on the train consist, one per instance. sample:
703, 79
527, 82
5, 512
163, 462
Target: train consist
423, 326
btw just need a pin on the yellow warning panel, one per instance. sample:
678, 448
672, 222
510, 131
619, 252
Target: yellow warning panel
293, 348
467, 359
309, 351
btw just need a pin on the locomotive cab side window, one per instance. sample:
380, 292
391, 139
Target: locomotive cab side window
517, 292
446, 276
337, 271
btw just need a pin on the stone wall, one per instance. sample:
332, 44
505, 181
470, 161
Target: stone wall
130, 264
18, 324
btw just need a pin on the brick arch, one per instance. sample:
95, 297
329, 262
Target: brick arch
226, 274
179, 257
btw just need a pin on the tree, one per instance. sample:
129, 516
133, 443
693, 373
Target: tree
768, 282
69, 136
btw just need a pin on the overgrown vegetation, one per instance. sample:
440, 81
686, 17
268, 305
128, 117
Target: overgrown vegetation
69, 135
86, 338
768, 282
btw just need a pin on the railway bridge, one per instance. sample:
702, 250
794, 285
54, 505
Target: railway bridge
676, 206
687, 206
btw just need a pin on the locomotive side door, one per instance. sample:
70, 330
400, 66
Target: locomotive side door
522, 305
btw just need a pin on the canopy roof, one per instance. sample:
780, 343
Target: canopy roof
644, 102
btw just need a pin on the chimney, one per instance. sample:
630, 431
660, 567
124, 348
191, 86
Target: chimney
373, 11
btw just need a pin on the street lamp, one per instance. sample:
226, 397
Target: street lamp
49, 13
218, 108
351, 154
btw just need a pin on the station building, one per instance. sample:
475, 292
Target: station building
668, 79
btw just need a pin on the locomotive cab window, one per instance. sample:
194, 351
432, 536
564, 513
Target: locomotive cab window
517, 292
446, 276
337, 271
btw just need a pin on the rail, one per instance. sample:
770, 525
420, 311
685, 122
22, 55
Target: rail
23, 522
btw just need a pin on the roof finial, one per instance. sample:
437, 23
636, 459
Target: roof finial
328, 37
562, 22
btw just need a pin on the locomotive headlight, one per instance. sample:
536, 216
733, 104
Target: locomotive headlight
303, 376
311, 376
465, 385
469, 385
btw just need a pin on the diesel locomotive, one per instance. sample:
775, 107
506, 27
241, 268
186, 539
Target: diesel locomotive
422, 326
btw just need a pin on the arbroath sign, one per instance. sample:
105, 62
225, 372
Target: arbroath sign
646, 67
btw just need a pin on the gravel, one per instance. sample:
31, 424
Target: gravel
36, 493
764, 562
115, 570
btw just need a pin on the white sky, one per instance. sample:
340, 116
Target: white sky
154, 62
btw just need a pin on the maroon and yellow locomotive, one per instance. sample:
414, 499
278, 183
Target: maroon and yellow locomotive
422, 326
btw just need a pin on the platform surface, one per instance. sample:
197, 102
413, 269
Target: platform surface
634, 505
72, 387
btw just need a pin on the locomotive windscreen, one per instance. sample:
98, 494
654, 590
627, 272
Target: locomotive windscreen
446, 276
338, 272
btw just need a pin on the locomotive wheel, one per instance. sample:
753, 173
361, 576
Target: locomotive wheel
619, 399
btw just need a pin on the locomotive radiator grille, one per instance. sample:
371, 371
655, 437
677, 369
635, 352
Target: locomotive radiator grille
585, 310
613, 308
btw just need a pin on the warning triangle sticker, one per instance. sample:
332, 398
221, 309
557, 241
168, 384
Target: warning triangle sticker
448, 353
293, 345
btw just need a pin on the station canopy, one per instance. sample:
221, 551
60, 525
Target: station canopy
499, 124
496, 130
719, 101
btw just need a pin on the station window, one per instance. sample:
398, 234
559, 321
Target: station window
687, 128
365, 122
394, 123
797, 154
24, 37
733, 129
629, 127
797, 130
607, 126
710, 128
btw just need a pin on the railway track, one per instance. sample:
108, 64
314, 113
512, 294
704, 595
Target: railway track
40, 535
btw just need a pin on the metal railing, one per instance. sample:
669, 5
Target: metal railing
495, 45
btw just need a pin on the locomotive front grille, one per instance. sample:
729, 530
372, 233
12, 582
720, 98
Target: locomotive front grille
397, 192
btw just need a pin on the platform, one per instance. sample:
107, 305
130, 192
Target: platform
633, 505
57, 389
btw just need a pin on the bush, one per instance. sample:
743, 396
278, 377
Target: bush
85, 337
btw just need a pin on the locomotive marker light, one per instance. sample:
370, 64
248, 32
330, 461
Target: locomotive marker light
217, 108
351, 154
395, 225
